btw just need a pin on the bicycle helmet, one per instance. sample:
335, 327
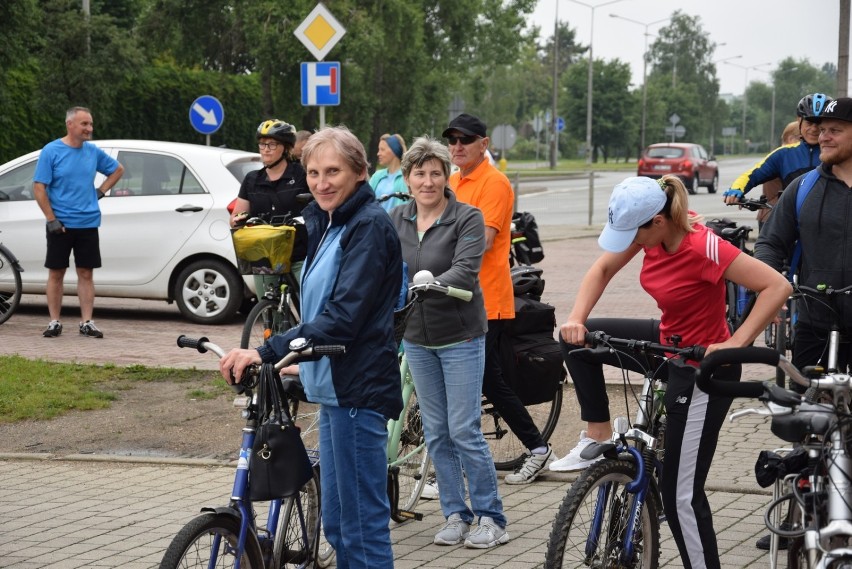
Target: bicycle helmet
279, 130
527, 281
812, 105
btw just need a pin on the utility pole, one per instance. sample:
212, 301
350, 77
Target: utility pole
87, 15
552, 126
843, 51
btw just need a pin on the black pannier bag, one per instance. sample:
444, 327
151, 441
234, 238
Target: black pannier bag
538, 367
532, 360
529, 250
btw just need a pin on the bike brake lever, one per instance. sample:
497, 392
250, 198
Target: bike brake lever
772, 410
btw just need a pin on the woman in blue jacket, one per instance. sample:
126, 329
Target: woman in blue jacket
350, 283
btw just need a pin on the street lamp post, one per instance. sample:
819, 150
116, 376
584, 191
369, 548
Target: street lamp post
589, 102
745, 95
644, 70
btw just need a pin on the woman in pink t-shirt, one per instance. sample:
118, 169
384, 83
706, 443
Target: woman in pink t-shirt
684, 269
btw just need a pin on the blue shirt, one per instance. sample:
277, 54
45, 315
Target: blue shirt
69, 175
384, 183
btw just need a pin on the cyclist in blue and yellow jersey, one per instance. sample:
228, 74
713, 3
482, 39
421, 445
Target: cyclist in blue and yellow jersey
789, 161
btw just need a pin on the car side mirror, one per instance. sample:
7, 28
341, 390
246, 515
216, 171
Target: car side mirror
712, 158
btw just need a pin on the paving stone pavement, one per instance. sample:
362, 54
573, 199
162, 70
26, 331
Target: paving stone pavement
88, 511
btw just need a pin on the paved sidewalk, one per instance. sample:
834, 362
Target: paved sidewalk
88, 511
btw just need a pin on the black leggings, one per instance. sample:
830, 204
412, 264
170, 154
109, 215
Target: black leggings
694, 420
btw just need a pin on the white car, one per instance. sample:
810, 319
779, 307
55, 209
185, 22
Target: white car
164, 231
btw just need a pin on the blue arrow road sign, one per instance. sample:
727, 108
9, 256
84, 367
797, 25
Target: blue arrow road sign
321, 83
206, 114
560, 124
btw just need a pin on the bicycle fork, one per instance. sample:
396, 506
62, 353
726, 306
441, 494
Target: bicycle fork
621, 529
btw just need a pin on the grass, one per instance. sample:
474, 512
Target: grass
37, 389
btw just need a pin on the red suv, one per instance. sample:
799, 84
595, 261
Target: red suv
689, 162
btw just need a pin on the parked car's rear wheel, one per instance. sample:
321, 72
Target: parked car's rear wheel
208, 291
714, 183
692, 184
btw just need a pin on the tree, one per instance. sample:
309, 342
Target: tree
682, 78
614, 116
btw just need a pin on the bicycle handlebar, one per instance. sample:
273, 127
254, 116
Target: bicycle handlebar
424, 281
203, 345
603, 342
753, 205
459, 293
399, 195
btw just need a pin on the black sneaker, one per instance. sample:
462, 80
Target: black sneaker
89, 329
764, 542
54, 329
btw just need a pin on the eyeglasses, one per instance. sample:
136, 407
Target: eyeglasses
268, 145
469, 139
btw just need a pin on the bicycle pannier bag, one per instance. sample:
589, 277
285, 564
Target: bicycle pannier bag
279, 464
532, 316
538, 369
530, 248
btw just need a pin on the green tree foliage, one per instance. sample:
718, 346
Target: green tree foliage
682, 79
614, 118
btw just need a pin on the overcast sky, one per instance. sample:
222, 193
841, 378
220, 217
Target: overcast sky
761, 31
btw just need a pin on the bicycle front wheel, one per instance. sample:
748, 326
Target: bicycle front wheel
506, 448
591, 525
10, 286
297, 535
210, 540
264, 321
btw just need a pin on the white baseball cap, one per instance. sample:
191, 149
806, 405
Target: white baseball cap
634, 202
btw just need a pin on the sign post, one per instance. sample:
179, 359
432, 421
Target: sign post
206, 115
320, 32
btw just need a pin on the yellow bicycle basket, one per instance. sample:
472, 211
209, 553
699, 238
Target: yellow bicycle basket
264, 249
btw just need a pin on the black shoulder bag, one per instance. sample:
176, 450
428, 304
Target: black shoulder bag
279, 464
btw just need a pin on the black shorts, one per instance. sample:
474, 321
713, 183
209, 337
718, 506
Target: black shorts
85, 244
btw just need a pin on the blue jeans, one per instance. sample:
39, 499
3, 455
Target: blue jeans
448, 382
353, 469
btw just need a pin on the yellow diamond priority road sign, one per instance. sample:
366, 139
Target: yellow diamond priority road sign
320, 31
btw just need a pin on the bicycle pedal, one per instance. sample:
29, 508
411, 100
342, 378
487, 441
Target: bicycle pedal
409, 515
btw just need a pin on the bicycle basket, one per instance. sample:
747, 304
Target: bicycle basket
264, 249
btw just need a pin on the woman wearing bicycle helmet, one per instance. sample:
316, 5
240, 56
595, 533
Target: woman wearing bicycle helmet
684, 268
271, 191
389, 179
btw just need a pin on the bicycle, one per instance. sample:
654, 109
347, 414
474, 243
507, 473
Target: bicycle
277, 308
819, 497
611, 515
229, 536
10, 283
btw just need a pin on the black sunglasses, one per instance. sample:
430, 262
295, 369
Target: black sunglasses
467, 139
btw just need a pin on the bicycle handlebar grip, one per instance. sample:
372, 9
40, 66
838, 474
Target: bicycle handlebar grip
747, 355
331, 350
184, 341
459, 293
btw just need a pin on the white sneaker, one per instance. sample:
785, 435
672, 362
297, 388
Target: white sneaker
454, 531
486, 535
530, 469
573, 461
430, 489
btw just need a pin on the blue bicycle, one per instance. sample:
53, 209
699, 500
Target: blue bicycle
229, 536
610, 517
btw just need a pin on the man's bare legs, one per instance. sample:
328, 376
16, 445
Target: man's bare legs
86, 293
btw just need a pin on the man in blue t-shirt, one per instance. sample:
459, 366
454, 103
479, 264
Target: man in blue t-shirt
64, 190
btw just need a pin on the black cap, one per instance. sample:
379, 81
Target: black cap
838, 109
466, 124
